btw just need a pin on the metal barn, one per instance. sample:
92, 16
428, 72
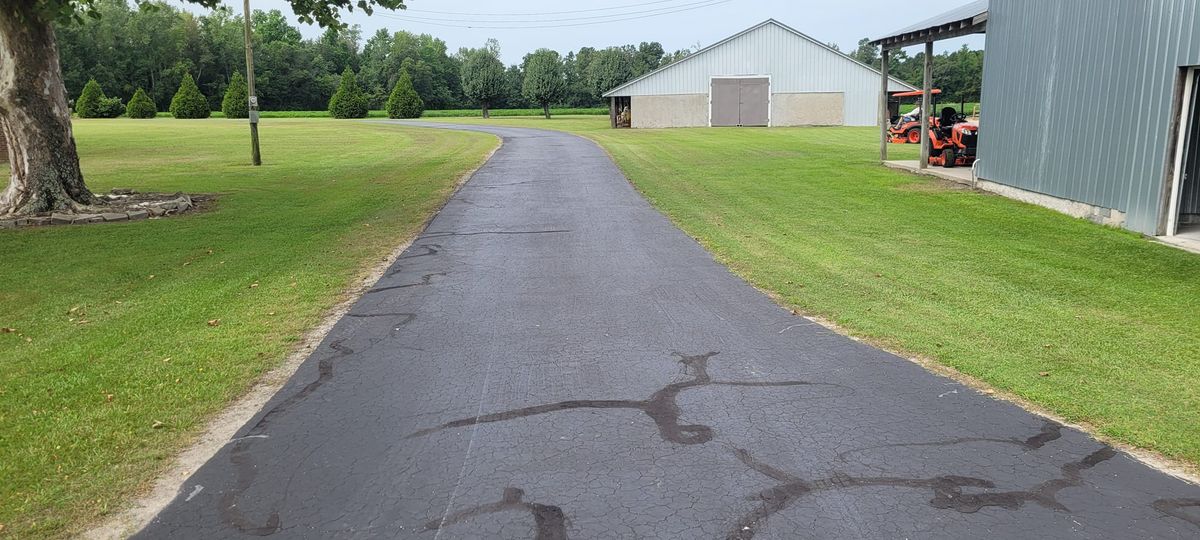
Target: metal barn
1090, 107
767, 75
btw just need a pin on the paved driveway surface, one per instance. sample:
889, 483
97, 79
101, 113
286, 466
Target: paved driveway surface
552, 358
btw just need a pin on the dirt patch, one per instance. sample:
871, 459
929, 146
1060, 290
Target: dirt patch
119, 205
933, 185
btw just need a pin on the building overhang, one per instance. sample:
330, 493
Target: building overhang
962, 21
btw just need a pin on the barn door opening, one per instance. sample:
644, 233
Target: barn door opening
1184, 219
740, 101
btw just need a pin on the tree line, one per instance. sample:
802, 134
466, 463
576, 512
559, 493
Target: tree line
153, 47
958, 73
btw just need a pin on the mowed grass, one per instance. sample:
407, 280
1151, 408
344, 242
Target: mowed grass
1098, 325
112, 336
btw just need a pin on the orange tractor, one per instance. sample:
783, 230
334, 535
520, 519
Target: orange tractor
952, 139
906, 128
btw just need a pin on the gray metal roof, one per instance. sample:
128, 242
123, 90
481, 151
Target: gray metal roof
961, 20
698, 55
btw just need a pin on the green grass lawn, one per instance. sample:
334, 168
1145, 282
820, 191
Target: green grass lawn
998, 289
111, 320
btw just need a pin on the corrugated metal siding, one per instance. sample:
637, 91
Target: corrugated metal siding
1078, 98
794, 63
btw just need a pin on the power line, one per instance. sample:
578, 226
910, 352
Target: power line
527, 13
707, 3
697, 3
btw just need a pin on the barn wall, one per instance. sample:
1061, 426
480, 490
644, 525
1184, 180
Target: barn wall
813, 109
1079, 98
689, 110
796, 64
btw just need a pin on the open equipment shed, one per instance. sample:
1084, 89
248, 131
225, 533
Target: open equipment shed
966, 20
1089, 107
767, 75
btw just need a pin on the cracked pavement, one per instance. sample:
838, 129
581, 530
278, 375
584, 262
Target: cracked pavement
552, 358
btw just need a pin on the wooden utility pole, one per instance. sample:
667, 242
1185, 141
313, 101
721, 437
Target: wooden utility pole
926, 104
255, 156
884, 117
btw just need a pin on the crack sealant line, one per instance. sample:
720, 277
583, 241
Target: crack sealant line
487, 379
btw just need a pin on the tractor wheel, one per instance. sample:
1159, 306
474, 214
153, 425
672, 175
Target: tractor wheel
948, 158
913, 135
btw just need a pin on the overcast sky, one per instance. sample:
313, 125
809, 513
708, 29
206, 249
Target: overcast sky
677, 24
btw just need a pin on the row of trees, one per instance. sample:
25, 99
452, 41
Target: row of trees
958, 73
188, 101
128, 48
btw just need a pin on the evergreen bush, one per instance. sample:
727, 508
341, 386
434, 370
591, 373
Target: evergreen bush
348, 101
404, 101
237, 98
141, 106
90, 100
189, 102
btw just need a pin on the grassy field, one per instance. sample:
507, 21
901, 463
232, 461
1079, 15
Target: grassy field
113, 365
449, 113
1099, 325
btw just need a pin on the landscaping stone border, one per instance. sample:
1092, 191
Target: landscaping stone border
119, 205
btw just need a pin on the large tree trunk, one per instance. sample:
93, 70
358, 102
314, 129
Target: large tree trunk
486, 112
546, 110
35, 118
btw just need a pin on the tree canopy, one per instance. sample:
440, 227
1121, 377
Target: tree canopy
483, 75
544, 82
127, 48
959, 73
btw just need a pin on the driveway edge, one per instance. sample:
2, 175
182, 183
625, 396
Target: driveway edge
221, 428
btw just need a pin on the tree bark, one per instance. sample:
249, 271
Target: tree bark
546, 110
35, 118
486, 114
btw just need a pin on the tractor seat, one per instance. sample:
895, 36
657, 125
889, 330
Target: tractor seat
949, 117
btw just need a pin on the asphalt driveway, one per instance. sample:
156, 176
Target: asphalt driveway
553, 358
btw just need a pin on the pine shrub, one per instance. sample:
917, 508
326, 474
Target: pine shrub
110, 107
404, 101
237, 98
141, 106
91, 101
189, 102
348, 101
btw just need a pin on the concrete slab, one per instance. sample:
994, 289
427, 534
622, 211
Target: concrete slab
1188, 239
961, 175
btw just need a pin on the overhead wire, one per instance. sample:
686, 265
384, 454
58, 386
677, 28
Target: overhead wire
533, 24
699, 3
531, 13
